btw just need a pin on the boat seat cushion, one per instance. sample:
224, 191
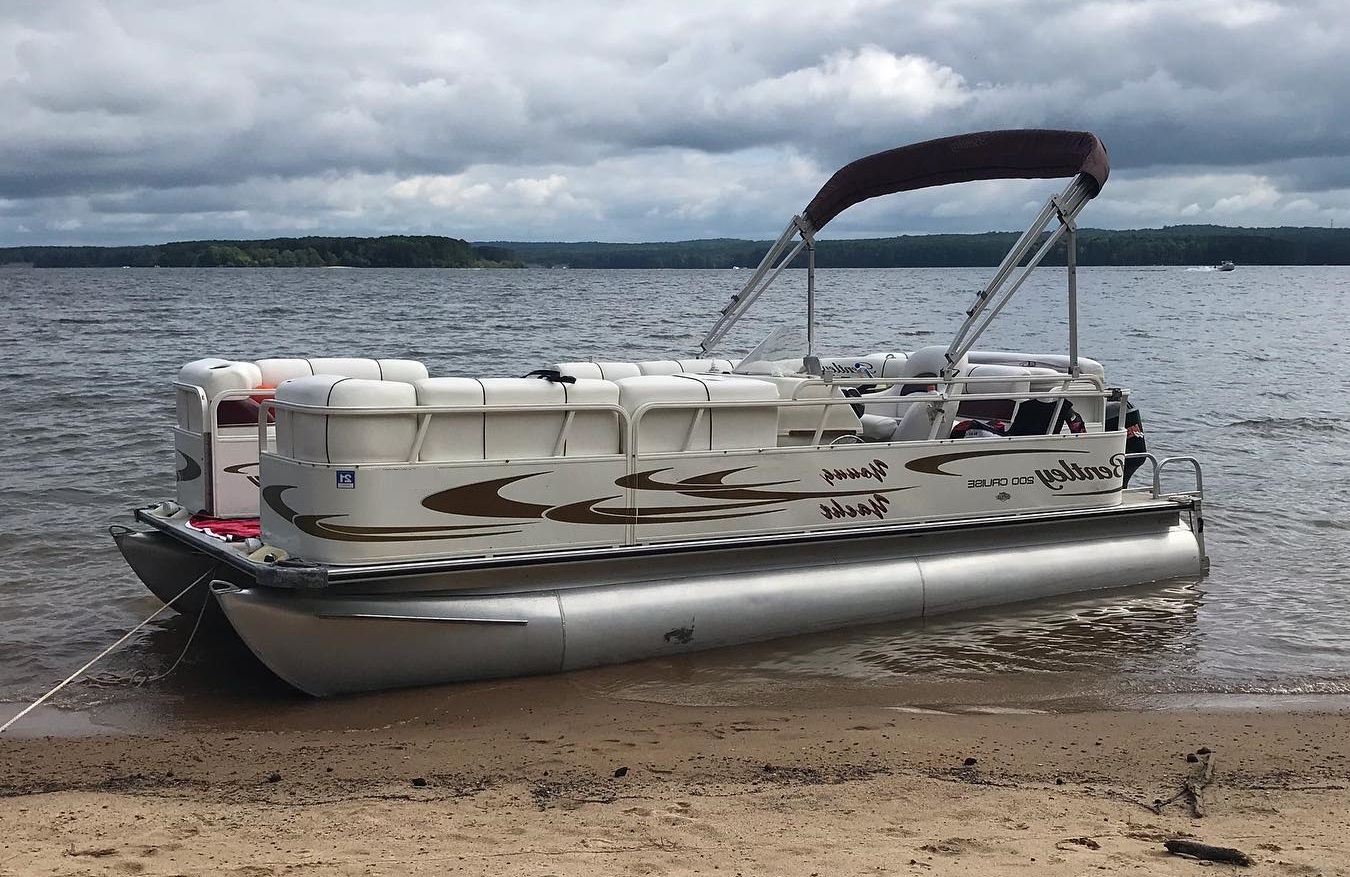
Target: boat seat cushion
523, 433
593, 433
214, 376
338, 438
452, 437
1058, 362
613, 371
924, 363
838, 418
751, 426
665, 430
274, 371
872, 365
609, 371
669, 430
705, 366
1013, 380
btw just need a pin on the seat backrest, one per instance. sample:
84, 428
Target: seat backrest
807, 418
915, 424
276, 370
214, 376
592, 432
666, 430
609, 371
1013, 380
451, 437
732, 426
924, 363
523, 432
335, 438
660, 367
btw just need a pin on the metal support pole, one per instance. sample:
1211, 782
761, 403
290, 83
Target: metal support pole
810, 295
1071, 259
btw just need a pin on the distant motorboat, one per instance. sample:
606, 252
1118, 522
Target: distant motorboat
1224, 266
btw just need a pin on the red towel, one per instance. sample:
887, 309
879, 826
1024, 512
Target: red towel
228, 529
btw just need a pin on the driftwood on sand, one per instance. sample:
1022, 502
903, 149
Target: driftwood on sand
1192, 785
1196, 850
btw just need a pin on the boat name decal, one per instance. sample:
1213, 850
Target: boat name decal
1056, 477
861, 367
875, 507
875, 470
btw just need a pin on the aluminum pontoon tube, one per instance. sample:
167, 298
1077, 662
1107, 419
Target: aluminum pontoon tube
333, 644
166, 565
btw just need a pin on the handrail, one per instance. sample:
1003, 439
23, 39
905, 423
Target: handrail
425, 413
630, 432
1196, 495
1155, 488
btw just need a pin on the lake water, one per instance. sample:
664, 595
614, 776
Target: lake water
1248, 370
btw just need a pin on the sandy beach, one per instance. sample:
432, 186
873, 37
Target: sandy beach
527, 780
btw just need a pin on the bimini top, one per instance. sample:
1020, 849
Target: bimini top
987, 155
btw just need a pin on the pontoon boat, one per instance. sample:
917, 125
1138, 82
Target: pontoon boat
366, 525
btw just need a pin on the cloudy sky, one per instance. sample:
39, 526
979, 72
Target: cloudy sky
140, 121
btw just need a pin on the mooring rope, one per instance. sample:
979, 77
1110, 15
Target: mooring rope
138, 678
112, 648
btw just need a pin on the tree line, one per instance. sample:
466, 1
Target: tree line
1176, 245
390, 251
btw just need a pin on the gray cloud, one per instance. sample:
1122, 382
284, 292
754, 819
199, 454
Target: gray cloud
142, 120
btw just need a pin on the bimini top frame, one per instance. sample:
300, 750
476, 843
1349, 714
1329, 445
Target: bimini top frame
989, 155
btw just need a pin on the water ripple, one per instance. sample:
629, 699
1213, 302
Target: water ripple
1214, 361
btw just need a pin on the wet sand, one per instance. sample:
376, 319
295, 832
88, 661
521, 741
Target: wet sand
529, 778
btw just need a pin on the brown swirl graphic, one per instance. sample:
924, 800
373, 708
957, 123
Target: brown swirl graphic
319, 526
933, 465
242, 469
483, 499
189, 471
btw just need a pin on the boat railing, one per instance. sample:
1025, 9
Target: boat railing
955, 390
1158, 466
630, 422
425, 414
1194, 497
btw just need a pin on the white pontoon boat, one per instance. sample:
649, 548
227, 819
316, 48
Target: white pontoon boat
365, 525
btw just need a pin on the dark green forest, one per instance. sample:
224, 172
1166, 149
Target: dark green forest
394, 251
1176, 245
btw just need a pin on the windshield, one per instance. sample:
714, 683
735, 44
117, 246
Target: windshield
780, 353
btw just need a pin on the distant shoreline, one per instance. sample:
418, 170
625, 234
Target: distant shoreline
1195, 245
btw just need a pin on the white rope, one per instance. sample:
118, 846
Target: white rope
145, 677
103, 654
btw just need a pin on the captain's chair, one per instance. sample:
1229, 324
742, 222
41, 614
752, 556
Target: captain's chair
892, 415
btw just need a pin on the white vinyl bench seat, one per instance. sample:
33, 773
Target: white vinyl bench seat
690, 427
